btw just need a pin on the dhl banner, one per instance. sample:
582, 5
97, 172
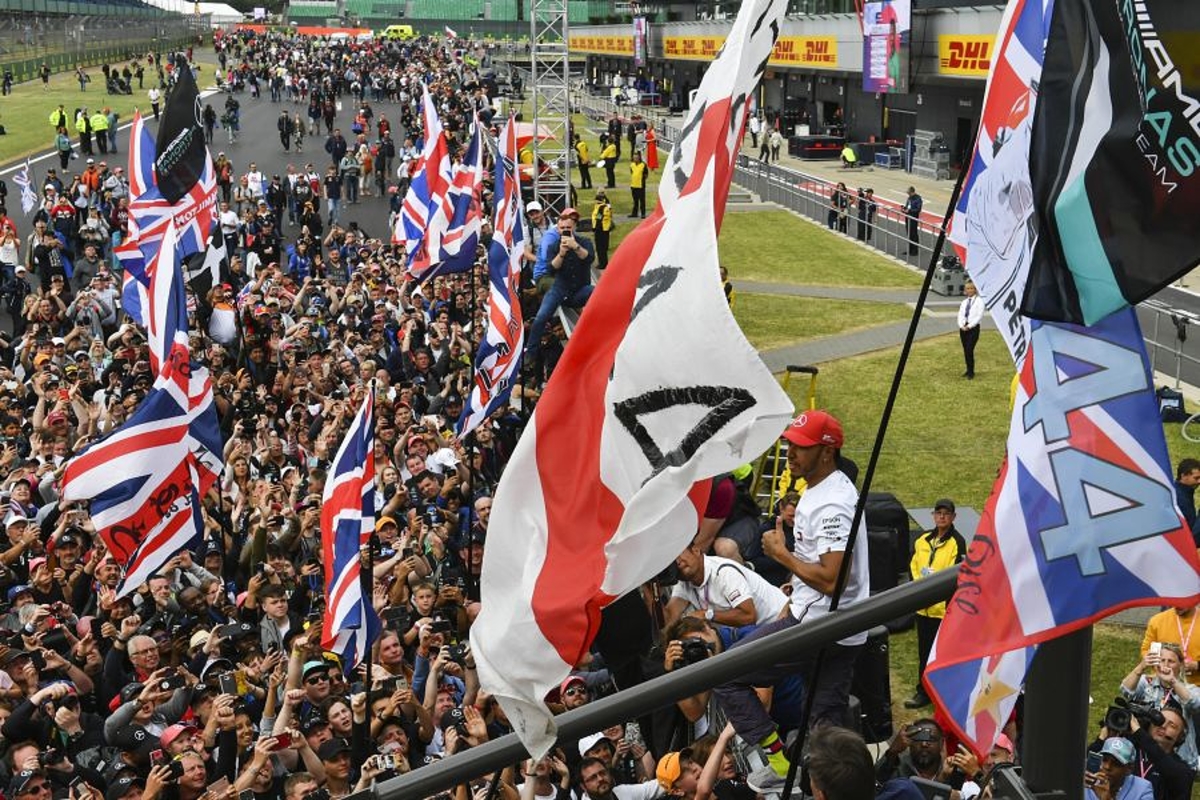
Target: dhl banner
602, 45
964, 55
805, 51
702, 48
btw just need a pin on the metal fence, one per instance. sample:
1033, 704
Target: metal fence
1165, 326
29, 39
807, 195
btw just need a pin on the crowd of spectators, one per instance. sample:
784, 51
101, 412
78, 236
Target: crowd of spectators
210, 681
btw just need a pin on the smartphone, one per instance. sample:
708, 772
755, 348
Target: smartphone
228, 684
1155, 651
157, 757
172, 683
1093, 762
246, 794
283, 741
220, 787
176, 767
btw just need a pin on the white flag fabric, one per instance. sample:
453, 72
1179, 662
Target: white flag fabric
657, 392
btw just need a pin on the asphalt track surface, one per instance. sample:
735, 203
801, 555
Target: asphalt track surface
258, 143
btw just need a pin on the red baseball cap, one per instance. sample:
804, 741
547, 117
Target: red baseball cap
173, 732
813, 428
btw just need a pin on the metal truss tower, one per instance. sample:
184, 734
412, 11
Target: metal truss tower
551, 103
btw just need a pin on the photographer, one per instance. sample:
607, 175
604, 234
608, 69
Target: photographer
1158, 679
1158, 760
916, 751
691, 640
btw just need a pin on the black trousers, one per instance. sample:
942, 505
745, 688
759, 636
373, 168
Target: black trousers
639, 201
969, 338
600, 238
927, 628
585, 176
913, 237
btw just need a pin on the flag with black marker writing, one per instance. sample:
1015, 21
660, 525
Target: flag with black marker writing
658, 391
1115, 157
1081, 521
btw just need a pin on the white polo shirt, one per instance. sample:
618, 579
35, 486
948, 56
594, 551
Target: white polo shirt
727, 584
823, 518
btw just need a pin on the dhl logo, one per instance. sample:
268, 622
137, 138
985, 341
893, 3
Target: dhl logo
816, 51
965, 55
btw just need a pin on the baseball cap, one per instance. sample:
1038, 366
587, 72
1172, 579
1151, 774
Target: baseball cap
134, 739
313, 666
122, 785
945, 503
568, 682
19, 781
333, 748
311, 723
670, 768
533, 205
813, 428
385, 521
588, 742
569, 212
173, 732
1119, 748
198, 638
16, 591
1005, 743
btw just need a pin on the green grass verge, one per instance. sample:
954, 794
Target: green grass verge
26, 112
947, 434
771, 321
779, 247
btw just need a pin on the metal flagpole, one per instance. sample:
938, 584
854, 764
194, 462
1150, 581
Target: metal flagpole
797, 748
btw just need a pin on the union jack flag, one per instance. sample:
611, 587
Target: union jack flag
500, 349
149, 213
460, 237
347, 522
1082, 520
427, 194
145, 479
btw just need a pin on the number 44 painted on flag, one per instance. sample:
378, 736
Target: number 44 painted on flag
1076, 370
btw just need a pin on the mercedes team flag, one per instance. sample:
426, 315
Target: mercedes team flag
1115, 157
181, 152
657, 392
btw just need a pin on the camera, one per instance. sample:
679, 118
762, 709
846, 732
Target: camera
669, 575
51, 755
457, 653
440, 625
398, 618
694, 651
1119, 717
453, 576
56, 640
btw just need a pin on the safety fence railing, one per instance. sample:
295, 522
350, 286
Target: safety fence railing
30, 39
637, 701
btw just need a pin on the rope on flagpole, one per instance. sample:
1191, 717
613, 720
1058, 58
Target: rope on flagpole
860, 508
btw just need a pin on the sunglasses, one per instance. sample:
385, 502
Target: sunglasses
41, 787
315, 679
574, 690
